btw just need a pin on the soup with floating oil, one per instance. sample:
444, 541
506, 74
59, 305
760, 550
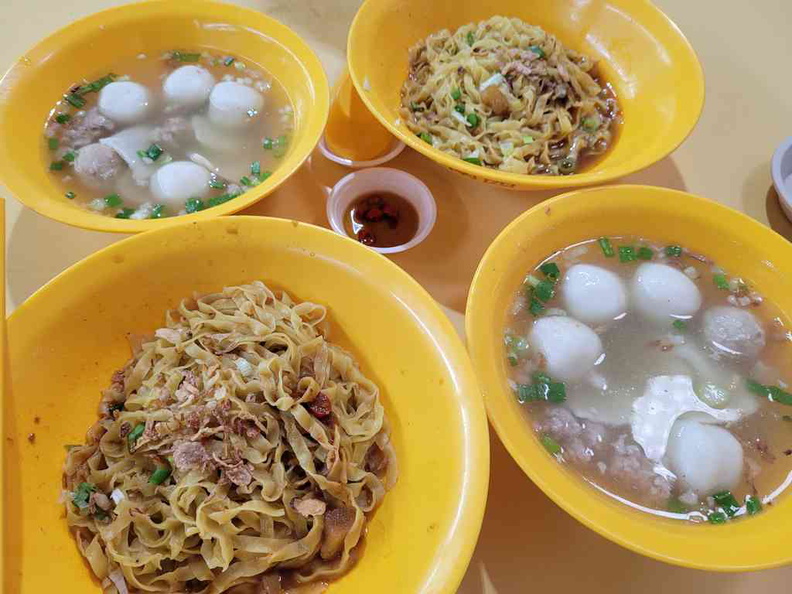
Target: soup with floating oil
170, 134
656, 376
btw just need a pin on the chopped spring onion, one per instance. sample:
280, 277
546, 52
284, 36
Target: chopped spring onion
460, 109
675, 506
82, 495
125, 213
135, 434
591, 123
513, 360
268, 143
70, 195
185, 57
75, 100
717, 517
544, 291
474, 160
753, 505
217, 184
255, 168
245, 181
70, 157
680, 325
153, 152
727, 502
721, 281
52, 143
537, 50
62, 118
673, 251
551, 445
56, 166
456, 94
194, 205
426, 137
528, 139
470, 39
550, 270
112, 200
157, 211
228, 61
772, 393
473, 120
627, 253
606, 246
536, 307
280, 145
644, 253
117, 496
160, 475
540, 377
221, 199
97, 85
567, 165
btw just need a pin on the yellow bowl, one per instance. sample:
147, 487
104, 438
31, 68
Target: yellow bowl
38, 79
67, 339
735, 241
655, 72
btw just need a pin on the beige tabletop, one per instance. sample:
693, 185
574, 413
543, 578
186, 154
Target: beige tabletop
527, 544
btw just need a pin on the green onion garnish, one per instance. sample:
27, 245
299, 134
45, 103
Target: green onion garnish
544, 291
551, 445
721, 281
268, 143
75, 100
540, 377
675, 506
456, 94
606, 246
627, 253
673, 250
460, 109
772, 393
473, 120
470, 39
553, 392
222, 198
194, 205
550, 270
644, 253
726, 500
136, 433
717, 517
426, 137
590, 124
228, 61
82, 495
70, 157
52, 143
279, 146
255, 168
513, 360
160, 475
97, 85
157, 212
753, 505
125, 213
536, 307
185, 57
680, 325
528, 139
70, 195
474, 160
537, 50
245, 181
56, 166
217, 184
62, 118
112, 200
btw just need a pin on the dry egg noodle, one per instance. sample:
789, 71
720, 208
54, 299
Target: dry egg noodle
167, 134
237, 448
657, 376
505, 94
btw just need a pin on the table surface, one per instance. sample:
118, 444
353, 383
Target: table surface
525, 539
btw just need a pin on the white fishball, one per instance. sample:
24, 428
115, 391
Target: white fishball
592, 294
233, 105
705, 458
733, 332
125, 102
661, 293
570, 348
188, 86
177, 182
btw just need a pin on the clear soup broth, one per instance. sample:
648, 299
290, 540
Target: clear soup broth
656, 376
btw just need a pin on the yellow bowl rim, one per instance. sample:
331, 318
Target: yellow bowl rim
518, 180
314, 126
452, 561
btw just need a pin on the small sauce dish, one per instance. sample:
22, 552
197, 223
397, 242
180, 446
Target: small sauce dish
781, 169
381, 183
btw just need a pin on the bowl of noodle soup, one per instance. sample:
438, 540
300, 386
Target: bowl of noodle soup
228, 393
528, 96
